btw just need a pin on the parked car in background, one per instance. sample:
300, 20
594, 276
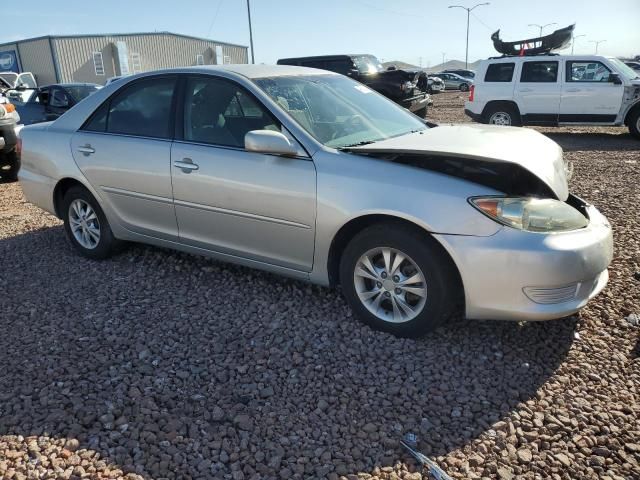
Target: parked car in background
9, 154
48, 103
556, 90
114, 79
309, 174
453, 81
406, 88
634, 65
18, 83
462, 72
436, 85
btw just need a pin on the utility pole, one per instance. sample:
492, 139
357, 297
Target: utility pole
597, 42
253, 59
466, 55
443, 54
573, 41
541, 26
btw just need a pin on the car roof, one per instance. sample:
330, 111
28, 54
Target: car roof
77, 84
250, 71
327, 57
542, 58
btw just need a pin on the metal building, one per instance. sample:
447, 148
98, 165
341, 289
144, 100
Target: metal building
95, 58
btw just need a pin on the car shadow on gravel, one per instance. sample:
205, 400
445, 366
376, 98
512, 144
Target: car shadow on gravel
592, 141
172, 365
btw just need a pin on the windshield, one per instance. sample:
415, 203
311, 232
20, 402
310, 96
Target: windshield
368, 64
627, 71
80, 92
339, 112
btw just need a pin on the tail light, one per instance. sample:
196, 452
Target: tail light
472, 90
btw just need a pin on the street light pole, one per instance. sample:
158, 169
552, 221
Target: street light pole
573, 41
597, 42
253, 60
443, 54
541, 26
466, 55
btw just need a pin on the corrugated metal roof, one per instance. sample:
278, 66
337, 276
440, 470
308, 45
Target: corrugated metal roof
88, 35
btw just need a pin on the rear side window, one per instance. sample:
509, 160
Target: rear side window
142, 109
499, 72
539, 72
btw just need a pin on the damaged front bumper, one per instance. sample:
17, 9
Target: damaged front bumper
518, 275
416, 102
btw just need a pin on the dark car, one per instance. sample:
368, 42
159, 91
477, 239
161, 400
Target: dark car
407, 88
633, 65
462, 72
48, 103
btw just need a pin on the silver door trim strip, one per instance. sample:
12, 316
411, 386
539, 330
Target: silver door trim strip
131, 193
236, 213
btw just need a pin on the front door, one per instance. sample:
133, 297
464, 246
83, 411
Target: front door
587, 93
538, 91
249, 205
124, 151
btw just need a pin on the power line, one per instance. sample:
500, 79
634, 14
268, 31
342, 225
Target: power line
215, 17
491, 29
386, 10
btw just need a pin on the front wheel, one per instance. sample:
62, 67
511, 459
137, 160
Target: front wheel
86, 225
9, 166
422, 112
398, 280
634, 123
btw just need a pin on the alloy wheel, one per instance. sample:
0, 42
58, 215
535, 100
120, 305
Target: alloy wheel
390, 285
500, 118
84, 224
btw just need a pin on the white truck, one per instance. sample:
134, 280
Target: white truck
554, 90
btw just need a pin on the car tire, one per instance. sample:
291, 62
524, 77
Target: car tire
86, 225
424, 280
464, 87
503, 115
633, 121
9, 166
422, 112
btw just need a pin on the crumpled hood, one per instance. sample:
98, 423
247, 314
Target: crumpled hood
522, 146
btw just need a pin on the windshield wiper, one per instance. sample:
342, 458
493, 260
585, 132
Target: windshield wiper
358, 144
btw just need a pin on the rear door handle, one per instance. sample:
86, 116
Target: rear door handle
526, 89
86, 150
186, 165
573, 90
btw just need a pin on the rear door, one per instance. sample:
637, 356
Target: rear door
124, 150
537, 92
587, 93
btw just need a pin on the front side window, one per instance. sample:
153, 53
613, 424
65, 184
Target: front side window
141, 109
367, 64
338, 111
587, 71
220, 112
499, 72
59, 99
539, 72
80, 92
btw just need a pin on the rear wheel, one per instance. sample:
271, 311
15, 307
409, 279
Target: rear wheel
464, 87
9, 166
86, 225
398, 280
503, 115
634, 123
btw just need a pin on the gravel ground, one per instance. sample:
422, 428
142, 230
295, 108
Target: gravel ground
158, 365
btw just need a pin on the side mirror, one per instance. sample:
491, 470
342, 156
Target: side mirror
391, 68
353, 72
615, 79
269, 142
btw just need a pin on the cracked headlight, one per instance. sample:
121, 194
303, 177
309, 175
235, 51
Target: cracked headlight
531, 214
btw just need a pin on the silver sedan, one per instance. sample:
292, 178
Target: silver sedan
453, 81
309, 174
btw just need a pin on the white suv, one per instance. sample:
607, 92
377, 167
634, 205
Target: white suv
554, 90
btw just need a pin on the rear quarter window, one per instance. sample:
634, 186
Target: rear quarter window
499, 72
539, 72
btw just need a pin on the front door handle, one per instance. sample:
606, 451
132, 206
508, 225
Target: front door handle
86, 150
186, 165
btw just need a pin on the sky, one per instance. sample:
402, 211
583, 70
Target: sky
413, 31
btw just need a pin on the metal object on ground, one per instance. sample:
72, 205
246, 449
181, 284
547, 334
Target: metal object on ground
410, 442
